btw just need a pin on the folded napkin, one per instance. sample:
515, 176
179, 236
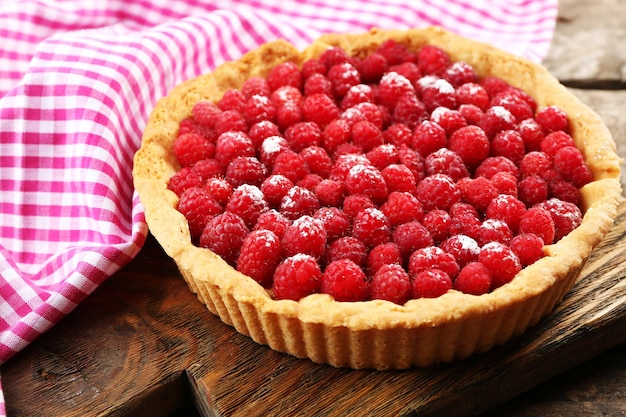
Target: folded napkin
78, 80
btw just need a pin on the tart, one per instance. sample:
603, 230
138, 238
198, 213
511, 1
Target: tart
326, 325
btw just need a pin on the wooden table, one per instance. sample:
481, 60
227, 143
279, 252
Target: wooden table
142, 344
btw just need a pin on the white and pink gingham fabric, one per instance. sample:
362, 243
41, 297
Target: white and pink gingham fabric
78, 79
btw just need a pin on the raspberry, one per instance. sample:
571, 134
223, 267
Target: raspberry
450, 120
198, 206
507, 208
564, 190
479, 192
538, 221
535, 163
336, 222
501, 261
391, 283
508, 143
247, 201
408, 69
438, 191
395, 53
430, 257
409, 110
288, 114
312, 66
190, 148
391, 87
402, 207
230, 121
474, 278
398, 134
428, 137
566, 216
305, 235
383, 155
231, 145
352, 116
471, 143
552, 119
532, 190
259, 256
302, 135
334, 56
374, 113
345, 281
343, 76
270, 149
330, 193
183, 179
353, 204
471, 113
299, 202
366, 135
245, 170
336, 133
494, 164
472, 93
514, 103
494, 230
286, 94
367, 180
347, 247
554, 141
496, 119
273, 221
440, 93
445, 161
438, 224
372, 67
291, 165
459, 73
188, 125
360, 93
505, 183
254, 86
372, 227
432, 60
284, 74
258, 108
232, 100
412, 160
399, 177
262, 130
296, 277
309, 181
528, 248
219, 189
464, 249
411, 236
224, 234
275, 187
319, 108
464, 223
383, 254
204, 113
430, 283
570, 163
494, 85
208, 168
532, 134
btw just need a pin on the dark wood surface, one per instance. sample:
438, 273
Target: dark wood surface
142, 344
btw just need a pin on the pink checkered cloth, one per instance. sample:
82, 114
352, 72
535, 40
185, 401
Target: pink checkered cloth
78, 80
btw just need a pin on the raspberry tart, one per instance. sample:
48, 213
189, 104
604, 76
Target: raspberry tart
378, 200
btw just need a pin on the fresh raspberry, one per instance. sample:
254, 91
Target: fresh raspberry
438, 224
391, 283
552, 119
360, 93
366, 179
318, 84
412, 160
224, 234
189, 125
345, 281
494, 85
479, 192
501, 261
336, 133
494, 164
271, 148
309, 181
319, 108
334, 56
570, 162
409, 110
532, 134
347, 247
190, 148
532, 190
230, 121
343, 76
302, 135
464, 209
296, 277
305, 235
274, 221
262, 130
471, 143
335, 221
538, 221
231, 145
402, 207
471, 113
430, 257
198, 206
411, 236
284, 74
183, 179
208, 168
464, 223
430, 283
395, 53
391, 87
204, 113
372, 67
408, 69
352, 115
507, 208
255, 86
232, 100
248, 202
219, 189
399, 177
528, 247
383, 155
398, 134
512, 101
312, 66
464, 249
259, 256
275, 187
459, 73
438, 191
366, 135
374, 113
288, 114
535, 163
291, 165
286, 94
494, 230
372, 227
566, 216
564, 190
353, 204
428, 137
445, 161
258, 108
383, 254
433, 60
474, 279
505, 183
508, 143
451, 120
299, 202
330, 192
245, 170
474, 94
496, 119
554, 141
439, 94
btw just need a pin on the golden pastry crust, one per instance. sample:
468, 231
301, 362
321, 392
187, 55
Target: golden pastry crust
378, 334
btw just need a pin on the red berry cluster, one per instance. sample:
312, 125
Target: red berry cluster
394, 176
